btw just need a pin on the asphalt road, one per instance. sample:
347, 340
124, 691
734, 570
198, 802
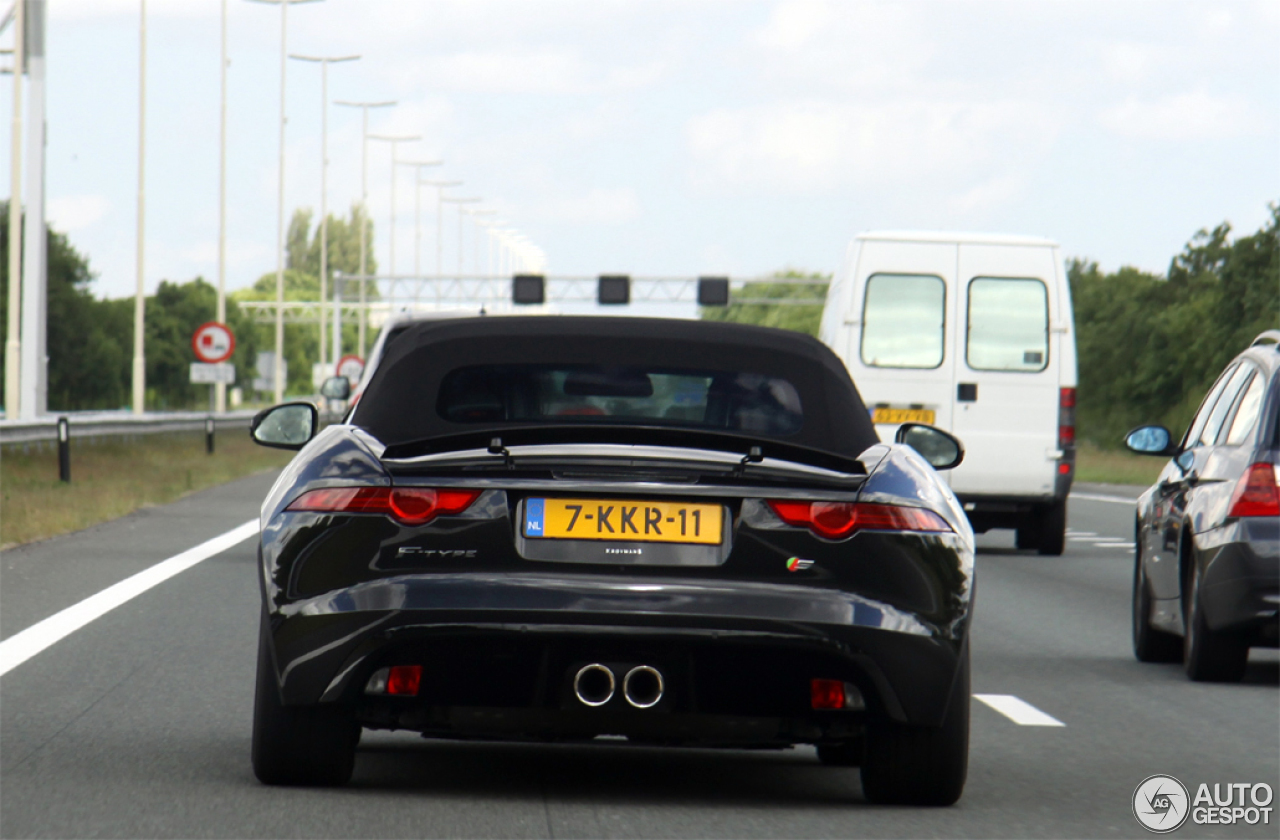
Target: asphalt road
137, 725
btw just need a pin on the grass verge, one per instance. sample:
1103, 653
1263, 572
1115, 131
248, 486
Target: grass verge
112, 478
1113, 466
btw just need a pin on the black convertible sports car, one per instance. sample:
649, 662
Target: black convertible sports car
557, 528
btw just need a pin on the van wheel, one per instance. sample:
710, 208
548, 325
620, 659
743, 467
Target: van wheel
298, 745
1027, 536
921, 765
1051, 537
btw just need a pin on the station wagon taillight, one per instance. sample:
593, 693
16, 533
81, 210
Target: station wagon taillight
1256, 493
1066, 417
836, 520
408, 505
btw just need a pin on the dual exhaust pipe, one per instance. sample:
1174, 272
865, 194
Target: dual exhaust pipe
595, 684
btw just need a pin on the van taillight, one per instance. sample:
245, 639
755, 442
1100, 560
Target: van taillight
1256, 493
409, 505
1066, 417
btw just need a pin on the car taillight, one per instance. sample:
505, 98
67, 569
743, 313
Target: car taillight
1256, 493
1066, 417
409, 505
835, 520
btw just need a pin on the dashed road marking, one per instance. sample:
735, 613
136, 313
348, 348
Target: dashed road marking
1097, 497
23, 645
1018, 710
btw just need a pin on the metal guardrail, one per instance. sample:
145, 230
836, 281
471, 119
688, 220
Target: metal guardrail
119, 424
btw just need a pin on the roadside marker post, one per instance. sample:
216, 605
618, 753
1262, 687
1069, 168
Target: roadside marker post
64, 450
208, 435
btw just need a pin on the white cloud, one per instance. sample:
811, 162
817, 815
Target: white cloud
819, 146
71, 213
91, 9
1131, 61
596, 207
989, 195
543, 70
1196, 115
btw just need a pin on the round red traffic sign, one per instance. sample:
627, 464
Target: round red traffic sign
213, 342
351, 367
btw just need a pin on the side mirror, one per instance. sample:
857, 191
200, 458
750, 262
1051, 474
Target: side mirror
943, 451
287, 426
1151, 440
336, 388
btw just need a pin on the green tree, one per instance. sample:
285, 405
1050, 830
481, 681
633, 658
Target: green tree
1149, 346
89, 341
789, 316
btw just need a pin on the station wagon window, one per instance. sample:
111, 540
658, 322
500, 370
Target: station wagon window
1202, 413
1247, 413
1209, 434
1008, 324
903, 317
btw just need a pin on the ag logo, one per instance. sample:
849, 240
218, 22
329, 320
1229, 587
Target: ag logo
1161, 804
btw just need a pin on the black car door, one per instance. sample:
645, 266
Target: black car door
1180, 479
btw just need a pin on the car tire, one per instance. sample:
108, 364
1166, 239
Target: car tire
1149, 644
842, 754
1210, 655
921, 765
298, 745
1051, 530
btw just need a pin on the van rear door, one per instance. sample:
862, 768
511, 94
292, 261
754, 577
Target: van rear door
900, 349
1007, 380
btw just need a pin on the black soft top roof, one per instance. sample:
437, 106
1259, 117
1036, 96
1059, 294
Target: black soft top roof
399, 405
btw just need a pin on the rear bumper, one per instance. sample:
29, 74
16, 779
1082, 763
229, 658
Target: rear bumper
1241, 584
737, 649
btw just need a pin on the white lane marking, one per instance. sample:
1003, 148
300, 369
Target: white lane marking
1018, 710
1097, 497
1092, 539
1071, 533
21, 646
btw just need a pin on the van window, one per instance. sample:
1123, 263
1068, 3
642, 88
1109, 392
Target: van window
903, 320
1008, 324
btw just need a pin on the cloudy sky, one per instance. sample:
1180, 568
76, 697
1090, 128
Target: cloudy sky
675, 138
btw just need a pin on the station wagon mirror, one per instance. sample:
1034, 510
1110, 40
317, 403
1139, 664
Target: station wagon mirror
942, 450
336, 388
1150, 440
287, 426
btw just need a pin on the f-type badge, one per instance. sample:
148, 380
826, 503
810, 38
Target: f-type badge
795, 564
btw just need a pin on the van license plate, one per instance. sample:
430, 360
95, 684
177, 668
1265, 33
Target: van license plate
621, 519
894, 416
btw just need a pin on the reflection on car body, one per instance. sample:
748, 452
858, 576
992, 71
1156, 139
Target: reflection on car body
681, 532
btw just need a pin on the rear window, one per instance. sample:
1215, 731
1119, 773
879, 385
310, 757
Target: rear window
559, 394
1008, 324
903, 321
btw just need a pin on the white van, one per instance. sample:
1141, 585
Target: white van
972, 333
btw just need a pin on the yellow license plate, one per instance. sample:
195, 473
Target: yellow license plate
894, 416
613, 519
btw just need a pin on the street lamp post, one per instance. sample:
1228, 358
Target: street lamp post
395, 141
364, 202
324, 62
460, 202
13, 344
476, 224
417, 209
440, 186
278, 373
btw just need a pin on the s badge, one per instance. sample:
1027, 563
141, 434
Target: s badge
795, 564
